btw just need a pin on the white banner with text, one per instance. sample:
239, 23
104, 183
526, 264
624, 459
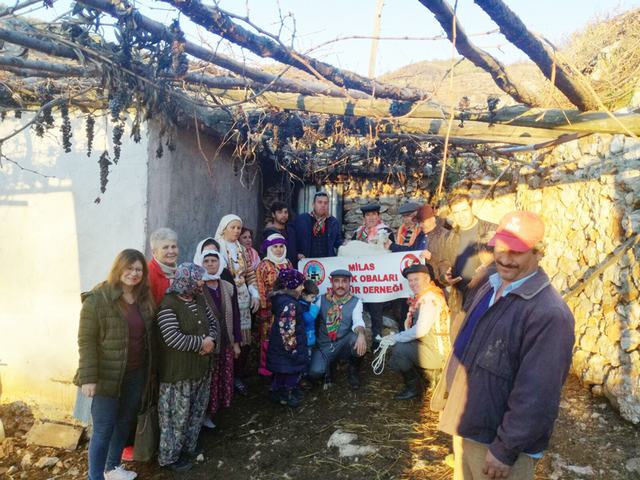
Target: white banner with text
376, 278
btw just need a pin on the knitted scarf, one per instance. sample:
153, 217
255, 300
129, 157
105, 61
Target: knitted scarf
319, 225
407, 236
334, 314
364, 234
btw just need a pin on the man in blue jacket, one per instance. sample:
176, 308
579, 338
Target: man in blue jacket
318, 233
500, 391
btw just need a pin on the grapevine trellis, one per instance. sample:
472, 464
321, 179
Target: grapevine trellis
332, 122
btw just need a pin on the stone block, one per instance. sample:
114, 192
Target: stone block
633, 315
617, 144
630, 340
579, 361
597, 369
46, 462
589, 341
55, 435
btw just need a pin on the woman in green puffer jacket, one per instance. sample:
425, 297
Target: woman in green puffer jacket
115, 346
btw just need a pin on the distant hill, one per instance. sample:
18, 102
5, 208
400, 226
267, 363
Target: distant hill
468, 80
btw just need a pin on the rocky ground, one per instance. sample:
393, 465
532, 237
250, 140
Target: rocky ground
373, 437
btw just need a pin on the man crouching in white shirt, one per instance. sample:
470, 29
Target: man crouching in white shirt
425, 343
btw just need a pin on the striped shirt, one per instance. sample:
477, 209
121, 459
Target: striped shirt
173, 336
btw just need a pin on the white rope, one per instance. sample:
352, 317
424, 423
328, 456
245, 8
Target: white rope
379, 358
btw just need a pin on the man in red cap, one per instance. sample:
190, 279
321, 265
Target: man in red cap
500, 391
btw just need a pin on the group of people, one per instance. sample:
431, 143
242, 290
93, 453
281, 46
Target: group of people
483, 326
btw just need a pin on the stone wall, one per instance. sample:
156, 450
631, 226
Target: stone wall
588, 193
390, 197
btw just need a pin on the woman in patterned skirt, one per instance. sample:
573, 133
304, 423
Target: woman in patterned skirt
189, 335
222, 300
239, 264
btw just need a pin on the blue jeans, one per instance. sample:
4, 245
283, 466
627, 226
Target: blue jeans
113, 418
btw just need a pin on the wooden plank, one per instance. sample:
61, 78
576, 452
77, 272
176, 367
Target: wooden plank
521, 116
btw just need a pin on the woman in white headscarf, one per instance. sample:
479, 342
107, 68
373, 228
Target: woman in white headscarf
220, 297
239, 264
275, 247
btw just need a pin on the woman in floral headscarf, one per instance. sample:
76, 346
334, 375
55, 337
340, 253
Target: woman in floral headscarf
239, 264
189, 335
275, 247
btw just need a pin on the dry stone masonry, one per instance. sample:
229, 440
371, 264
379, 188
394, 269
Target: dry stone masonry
588, 193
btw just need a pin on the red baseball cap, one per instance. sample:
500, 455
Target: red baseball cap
519, 231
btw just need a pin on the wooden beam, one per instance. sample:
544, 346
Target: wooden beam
513, 28
447, 19
65, 69
218, 22
41, 45
220, 60
564, 120
556, 120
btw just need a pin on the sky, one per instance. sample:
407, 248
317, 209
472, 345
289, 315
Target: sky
317, 22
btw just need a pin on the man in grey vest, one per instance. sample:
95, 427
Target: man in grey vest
339, 330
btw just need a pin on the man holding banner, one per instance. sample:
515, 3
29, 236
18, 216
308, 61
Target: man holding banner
368, 232
340, 331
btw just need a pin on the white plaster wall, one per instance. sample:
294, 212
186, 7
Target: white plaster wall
55, 242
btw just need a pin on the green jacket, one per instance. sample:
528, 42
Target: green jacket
103, 340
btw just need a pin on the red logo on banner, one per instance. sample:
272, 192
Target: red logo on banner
314, 270
408, 260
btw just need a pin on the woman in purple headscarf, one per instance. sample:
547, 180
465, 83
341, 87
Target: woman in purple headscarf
275, 248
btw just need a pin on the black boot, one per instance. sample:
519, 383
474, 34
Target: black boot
353, 372
411, 386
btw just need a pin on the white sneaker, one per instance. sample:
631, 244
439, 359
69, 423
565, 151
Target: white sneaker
208, 423
119, 473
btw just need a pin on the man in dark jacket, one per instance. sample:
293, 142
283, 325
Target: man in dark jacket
318, 233
500, 391
280, 224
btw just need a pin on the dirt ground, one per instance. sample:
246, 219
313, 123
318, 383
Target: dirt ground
256, 439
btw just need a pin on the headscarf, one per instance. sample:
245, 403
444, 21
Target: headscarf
200, 247
228, 247
224, 223
290, 278
186, 279
200, 261
269, 243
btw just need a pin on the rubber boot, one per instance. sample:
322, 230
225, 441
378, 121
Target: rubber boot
353, 372
411, 386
